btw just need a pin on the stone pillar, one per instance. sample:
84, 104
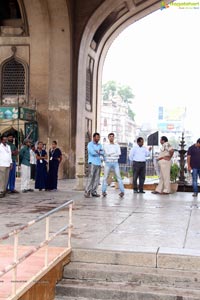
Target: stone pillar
80, 174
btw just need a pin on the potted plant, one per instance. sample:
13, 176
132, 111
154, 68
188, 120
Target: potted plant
174, 172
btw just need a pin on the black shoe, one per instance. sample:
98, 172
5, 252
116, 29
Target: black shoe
135, 191
95, 195
141, 192
14, 192
30, 190
87, 195
24, 191
195, 194
121, 194
104, 194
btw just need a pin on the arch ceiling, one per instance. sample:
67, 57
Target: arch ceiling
106, 23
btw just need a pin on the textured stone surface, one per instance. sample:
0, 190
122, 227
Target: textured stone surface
111, 279
151, 230
138, 222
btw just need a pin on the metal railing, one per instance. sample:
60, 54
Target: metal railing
15, 233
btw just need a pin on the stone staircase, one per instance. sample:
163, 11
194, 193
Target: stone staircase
96, 274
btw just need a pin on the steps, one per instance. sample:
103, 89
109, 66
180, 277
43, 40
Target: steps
104, 278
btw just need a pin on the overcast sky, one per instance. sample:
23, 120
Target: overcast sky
159, 57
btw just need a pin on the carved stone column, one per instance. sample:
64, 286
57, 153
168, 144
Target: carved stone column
80, 174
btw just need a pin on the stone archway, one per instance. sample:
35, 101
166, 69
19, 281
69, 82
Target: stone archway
106, 23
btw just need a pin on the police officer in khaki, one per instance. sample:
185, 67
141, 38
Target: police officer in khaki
164, 162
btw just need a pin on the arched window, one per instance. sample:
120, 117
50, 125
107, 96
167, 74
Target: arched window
13, 78
9, 10
14, 81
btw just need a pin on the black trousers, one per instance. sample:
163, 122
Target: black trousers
139, 171
33, 171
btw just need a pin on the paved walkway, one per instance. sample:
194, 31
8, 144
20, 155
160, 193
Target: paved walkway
137, 222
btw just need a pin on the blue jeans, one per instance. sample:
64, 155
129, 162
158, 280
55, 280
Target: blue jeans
107, 168
195, 175
12, 177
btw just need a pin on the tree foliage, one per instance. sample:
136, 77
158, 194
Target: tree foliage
112, 88
131, 114
109, 89
126, 93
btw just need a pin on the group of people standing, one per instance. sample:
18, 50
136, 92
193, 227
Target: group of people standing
138, 156
32, 164
164, 161
44, 179
110, 153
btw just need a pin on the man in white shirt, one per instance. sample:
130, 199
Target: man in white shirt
138, 155
5, 165
112, 152
33, 162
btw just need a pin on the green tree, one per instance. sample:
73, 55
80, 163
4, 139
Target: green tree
112, 88
109, 88
126, 93
131, 114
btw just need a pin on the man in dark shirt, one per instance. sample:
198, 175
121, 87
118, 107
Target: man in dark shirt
193, 162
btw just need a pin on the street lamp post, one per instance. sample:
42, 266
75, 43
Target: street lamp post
182, 152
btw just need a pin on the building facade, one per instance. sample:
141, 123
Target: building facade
114, 118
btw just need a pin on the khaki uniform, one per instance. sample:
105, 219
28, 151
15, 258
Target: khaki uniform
164, 185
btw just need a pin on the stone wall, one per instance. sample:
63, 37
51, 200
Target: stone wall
47, 52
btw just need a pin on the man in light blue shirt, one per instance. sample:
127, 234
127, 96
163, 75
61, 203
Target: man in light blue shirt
138, 155
95, 151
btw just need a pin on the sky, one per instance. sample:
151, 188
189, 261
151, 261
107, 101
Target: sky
159, 58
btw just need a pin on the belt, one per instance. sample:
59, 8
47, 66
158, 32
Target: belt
139, 161
114, 160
